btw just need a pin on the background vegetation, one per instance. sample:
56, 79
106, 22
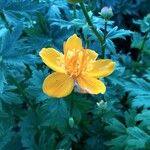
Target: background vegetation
117, 120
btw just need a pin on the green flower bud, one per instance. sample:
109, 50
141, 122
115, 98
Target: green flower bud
102, 104
101, 108
106, 12
71, 122
1, 59
74, 1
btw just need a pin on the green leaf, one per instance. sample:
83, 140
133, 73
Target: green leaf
35, 85
139, 90
29, 123
137, 138
118, 142
115, 33
117, 126
130, 118
57, 114
144, 117
137, 40
95, 142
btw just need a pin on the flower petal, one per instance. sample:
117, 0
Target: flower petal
73, 43
58, 85
101, 68
91, 85
92, 54
53, 59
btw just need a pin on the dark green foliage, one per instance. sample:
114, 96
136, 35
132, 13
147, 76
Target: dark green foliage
117, 120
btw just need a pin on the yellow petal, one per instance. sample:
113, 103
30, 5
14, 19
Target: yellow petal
91, 85
91, 54
53, 59
73, 43
101, 68
58, 85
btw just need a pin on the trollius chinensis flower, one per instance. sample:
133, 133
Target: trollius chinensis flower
77, 66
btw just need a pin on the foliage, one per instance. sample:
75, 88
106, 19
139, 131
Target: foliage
31, 120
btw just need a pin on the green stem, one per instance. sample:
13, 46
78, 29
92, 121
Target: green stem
104, 40
101, 4
142, 46
143, 43
89, 4
74, 11
100, 38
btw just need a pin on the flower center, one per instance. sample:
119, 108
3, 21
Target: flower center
75, 62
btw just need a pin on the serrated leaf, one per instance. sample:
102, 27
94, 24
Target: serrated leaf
137, 40
35, 85
117, 126
115, 33
139, 89
58, 114
118, 142
144, 117
137, 137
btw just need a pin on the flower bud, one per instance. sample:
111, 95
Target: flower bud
71, 122
1, 59
74, 1
106, 12
102, 104
101, 108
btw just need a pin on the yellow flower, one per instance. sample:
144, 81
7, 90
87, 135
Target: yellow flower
77, 66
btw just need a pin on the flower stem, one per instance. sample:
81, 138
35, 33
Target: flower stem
101, 4
142, 46
89, 4
74, 11
104, 40
100, 38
